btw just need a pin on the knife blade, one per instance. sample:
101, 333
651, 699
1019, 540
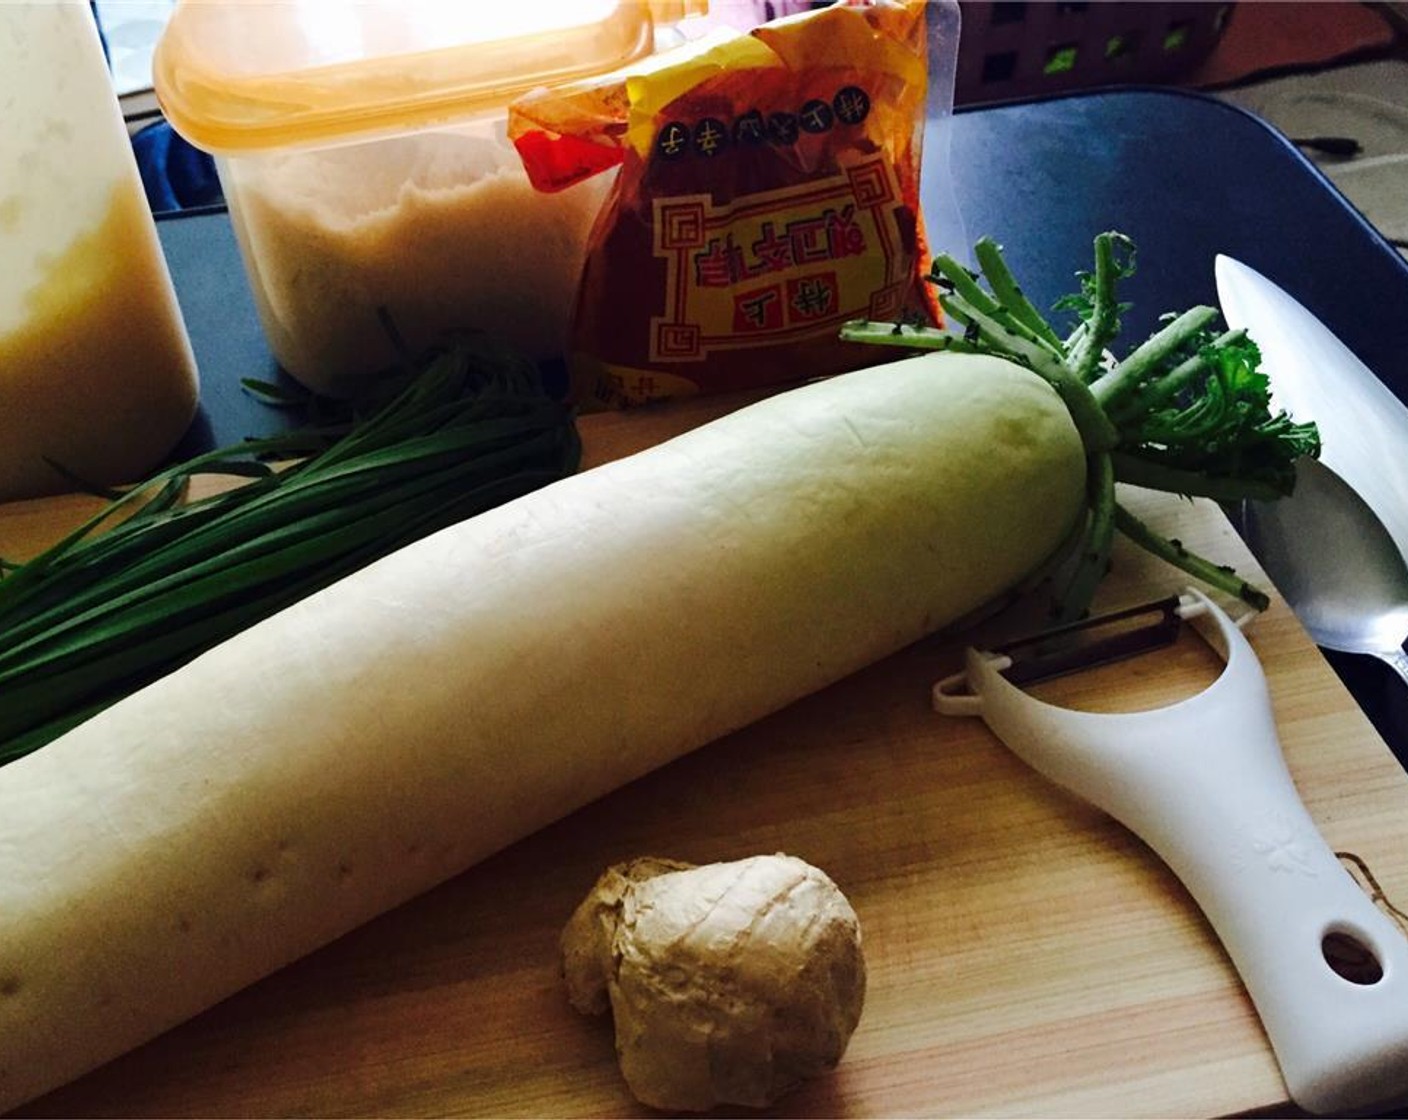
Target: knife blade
1314, 376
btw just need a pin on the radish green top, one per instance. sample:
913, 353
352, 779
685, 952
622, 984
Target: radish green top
1186, 411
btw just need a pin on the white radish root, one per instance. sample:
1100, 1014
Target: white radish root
387, 733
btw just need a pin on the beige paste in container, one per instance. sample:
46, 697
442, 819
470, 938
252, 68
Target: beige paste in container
440, 230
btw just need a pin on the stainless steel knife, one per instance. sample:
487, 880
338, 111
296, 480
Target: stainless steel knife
1314, 376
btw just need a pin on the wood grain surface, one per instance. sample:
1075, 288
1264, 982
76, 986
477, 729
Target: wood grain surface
1027, 956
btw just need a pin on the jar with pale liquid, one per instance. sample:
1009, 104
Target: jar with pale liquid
97, 379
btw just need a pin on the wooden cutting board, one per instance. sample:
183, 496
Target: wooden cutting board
1027, 956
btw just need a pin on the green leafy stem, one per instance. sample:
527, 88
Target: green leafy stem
1186, 411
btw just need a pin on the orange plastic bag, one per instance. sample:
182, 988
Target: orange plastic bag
768, 192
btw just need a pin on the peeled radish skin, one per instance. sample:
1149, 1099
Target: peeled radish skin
387, 733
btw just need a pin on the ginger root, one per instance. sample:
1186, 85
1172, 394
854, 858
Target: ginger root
729, 983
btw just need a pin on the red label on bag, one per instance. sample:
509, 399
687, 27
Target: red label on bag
779, 264
768, 193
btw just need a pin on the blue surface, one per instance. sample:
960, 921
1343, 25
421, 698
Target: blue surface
1186, 176
175, 175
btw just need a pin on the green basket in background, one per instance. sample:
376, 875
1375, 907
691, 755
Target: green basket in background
1027, 49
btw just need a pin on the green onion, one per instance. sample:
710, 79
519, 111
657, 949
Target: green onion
152, 580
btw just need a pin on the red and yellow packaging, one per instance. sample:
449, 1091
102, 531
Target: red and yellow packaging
768, 192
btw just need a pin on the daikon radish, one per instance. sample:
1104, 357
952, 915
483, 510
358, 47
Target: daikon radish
384, 734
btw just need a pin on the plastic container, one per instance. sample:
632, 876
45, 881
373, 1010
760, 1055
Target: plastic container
363, 153
96, 372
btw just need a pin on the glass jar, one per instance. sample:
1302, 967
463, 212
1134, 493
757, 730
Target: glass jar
97, 379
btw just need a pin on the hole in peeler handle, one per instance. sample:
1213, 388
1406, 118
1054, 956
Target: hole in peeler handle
1351, 958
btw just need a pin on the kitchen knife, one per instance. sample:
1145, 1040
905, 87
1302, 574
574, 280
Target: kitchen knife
1314, 376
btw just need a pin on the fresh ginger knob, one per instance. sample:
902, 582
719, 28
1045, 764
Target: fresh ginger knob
729, 983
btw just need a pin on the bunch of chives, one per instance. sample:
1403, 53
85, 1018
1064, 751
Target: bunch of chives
102, 613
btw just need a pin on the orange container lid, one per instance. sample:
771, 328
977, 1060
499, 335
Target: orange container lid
234, 76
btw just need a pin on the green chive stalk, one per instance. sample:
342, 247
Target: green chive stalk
152, 580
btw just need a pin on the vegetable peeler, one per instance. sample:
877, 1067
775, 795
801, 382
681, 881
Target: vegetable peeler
1204, 783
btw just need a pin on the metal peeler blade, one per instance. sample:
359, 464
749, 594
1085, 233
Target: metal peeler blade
1099, 640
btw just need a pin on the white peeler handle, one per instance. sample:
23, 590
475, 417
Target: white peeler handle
1204, 783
